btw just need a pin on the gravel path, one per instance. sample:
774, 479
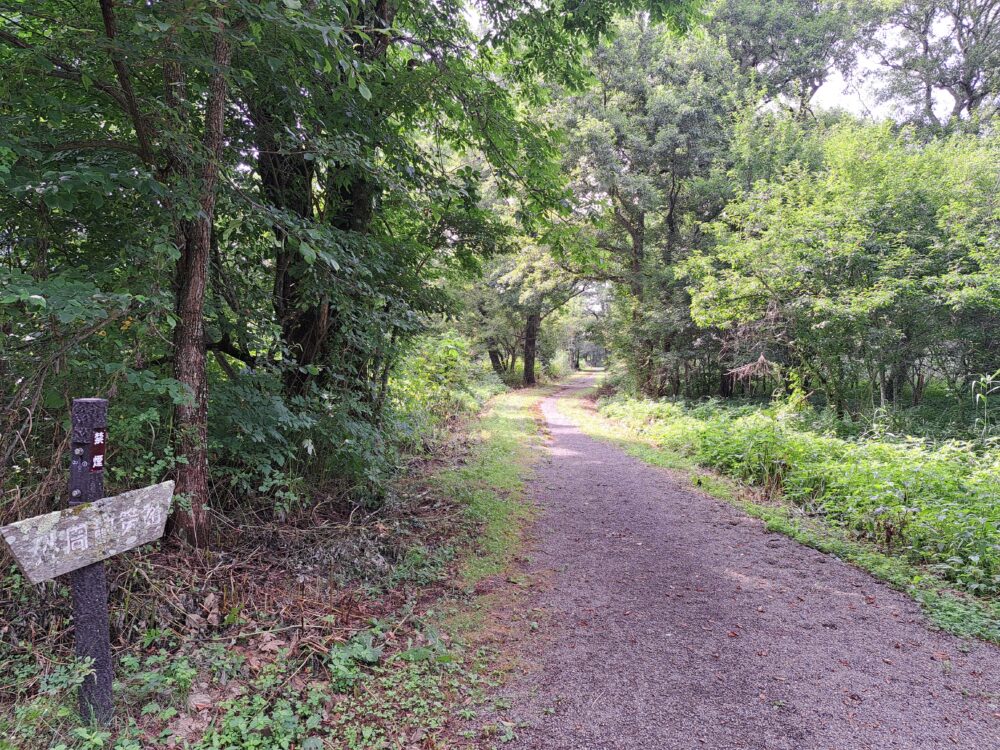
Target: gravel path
672, 620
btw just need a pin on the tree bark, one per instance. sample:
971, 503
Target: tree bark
497, 361
918, 388
191, 417
726, 385
531, 346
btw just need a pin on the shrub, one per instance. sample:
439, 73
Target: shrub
558, 366
438, 379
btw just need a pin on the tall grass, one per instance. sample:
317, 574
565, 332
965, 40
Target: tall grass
935, 503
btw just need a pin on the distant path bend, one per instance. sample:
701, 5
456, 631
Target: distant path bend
679, 622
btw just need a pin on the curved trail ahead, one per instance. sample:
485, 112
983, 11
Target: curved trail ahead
675, 621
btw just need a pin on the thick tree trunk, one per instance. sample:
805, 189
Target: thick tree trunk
531, 346
191, 418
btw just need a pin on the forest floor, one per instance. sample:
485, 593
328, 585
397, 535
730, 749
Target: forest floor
671, 619
387, 629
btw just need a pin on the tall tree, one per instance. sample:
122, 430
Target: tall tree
517, 294
791, 46
643, 153
943, 61
195, 240
172, 130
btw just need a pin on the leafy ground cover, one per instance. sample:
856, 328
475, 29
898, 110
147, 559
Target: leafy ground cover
921, 516
360, 634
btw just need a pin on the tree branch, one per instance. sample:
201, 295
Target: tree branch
65, 71
95, 144
140, 125
226, 346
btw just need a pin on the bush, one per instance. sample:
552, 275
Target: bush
438, 380
268, 449
559, 366
935, 503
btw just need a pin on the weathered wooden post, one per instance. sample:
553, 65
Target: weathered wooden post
89, 583
77, 540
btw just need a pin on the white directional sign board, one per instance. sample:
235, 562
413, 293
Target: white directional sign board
56, 543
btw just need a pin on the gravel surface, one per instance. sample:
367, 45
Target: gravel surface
672, 620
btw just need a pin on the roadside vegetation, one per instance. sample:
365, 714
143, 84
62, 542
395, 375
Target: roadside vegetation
917, 514
364, 634
932, 503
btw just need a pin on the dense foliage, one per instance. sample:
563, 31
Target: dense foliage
293, 240
749, 239
233, 217
870, 274
237, 219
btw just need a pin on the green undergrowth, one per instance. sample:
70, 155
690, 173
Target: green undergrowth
491, 481
256, 682
674, 444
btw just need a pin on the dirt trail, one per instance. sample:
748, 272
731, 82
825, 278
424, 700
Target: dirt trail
674, 621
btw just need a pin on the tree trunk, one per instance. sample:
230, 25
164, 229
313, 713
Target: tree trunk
899, 373
191, 417
497, 361
918, 388
891, 384
287, 183
726, 385
530, 346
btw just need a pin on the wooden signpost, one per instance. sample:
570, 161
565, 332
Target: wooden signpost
78, 539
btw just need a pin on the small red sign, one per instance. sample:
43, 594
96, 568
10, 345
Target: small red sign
97, 447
